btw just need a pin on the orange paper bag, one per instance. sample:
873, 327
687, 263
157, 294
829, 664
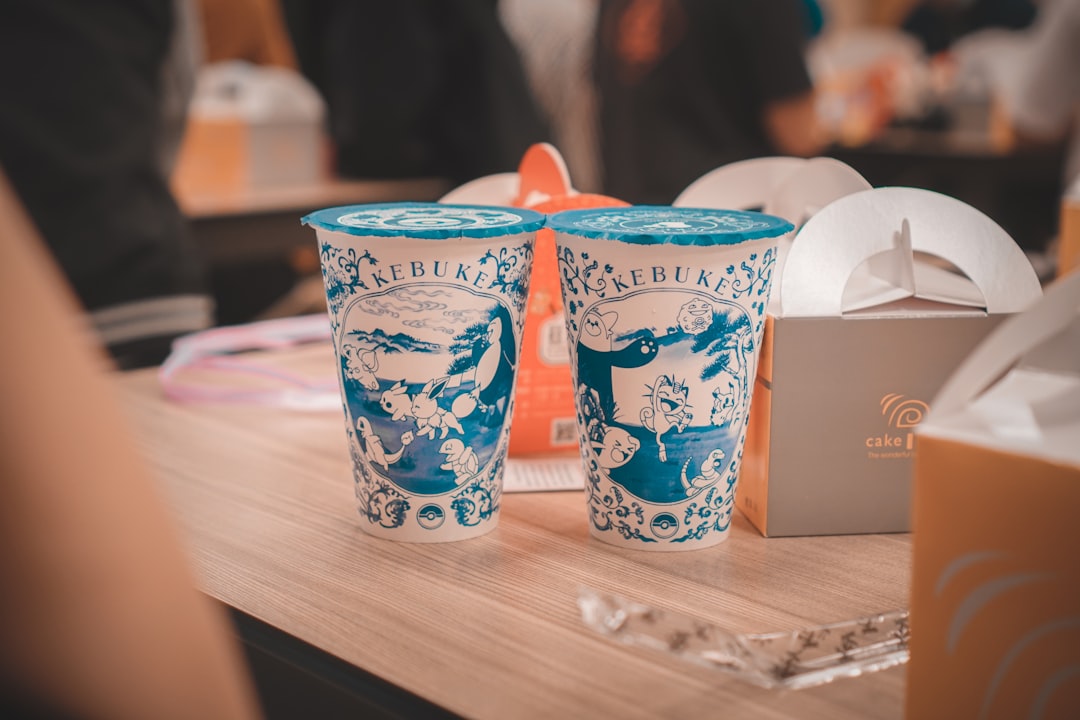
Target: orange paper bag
995, 610
544, 415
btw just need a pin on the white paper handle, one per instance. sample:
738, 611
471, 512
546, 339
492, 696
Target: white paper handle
819, 182
739, 185
849, 231
1004, 347
498, 189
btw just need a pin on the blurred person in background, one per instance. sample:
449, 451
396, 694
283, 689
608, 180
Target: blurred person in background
94, 98
1037, 98
686, 86
246, 52
100, 614
417, 88
1038, 90
249, 30
940, 23
555, 40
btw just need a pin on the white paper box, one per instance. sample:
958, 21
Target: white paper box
860, 339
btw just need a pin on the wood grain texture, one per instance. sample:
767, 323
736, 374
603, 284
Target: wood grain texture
489, 628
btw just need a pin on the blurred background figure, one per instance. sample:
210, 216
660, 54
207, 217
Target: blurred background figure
940, 23
688, 85
1037, 101
253, 31
100, 614
914, 92
254, 124
94, 95
1039, 85
555, 40
417, 88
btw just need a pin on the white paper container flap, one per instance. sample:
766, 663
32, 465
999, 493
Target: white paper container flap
1020, 388
1055, 314
498, 189
742, 185
867, 239
819, 182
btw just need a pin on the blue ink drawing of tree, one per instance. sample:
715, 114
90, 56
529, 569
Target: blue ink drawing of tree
470, 345
716, 341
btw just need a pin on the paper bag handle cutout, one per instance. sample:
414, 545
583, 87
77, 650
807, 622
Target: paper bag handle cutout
1008, 343
835, 242
541, 174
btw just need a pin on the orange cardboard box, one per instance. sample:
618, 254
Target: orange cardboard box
544, 416
995, 608
1069, 248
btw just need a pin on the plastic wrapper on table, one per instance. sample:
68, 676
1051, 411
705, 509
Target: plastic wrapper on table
789, 659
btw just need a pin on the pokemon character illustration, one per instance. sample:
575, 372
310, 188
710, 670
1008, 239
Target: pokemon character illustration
373, 447
711, 470
668, 409
459, 458
430, 418
614, 446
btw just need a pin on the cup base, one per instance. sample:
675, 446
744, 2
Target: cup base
428, 537
614, 538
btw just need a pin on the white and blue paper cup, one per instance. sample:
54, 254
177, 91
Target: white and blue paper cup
665, 310
426, 304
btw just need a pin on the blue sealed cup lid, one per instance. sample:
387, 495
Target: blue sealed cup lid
426, 220
666, 225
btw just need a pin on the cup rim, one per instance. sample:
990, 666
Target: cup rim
504, 221
708, 226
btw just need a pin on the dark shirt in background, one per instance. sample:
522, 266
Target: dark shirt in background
81, 133
417, 88
939, 24
683, 85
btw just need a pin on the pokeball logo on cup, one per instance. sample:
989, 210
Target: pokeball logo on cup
430, 517
665, 525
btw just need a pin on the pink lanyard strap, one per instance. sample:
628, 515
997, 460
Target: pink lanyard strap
213, 350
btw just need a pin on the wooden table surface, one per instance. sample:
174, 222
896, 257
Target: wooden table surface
489, 628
